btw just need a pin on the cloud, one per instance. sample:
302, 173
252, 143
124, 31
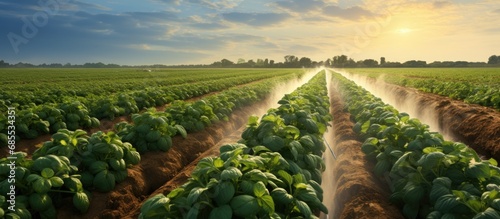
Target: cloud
91, 6
299, 6
352, 13
256, 19
497, 11
441, 4
206, 23
217, 4
177, 2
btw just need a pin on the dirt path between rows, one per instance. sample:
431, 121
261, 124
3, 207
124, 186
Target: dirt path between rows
156, 169
183, 176
359, 193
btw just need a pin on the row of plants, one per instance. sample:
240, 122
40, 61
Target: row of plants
73, 164
74, 114
63, 170
274, 171
429, 177
57, 87
484, 95
152, 131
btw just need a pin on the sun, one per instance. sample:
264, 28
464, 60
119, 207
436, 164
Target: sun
404, 30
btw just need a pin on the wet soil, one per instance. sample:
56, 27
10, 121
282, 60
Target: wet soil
359, 193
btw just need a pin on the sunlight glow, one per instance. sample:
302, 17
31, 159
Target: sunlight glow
404, 30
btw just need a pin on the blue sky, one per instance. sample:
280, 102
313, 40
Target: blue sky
203, 31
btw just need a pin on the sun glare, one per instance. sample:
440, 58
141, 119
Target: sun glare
404, 30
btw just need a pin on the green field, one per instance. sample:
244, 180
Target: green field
472, 85
481, 76
47, 100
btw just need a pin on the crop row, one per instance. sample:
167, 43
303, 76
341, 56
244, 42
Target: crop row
74, 163
428, 176
471, 85
273, 172
485, 95
74, 114
53, 87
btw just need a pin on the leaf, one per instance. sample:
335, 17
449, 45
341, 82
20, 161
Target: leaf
446, 203
286, 177
266, 202
224, 193
259, 189
104, 181
244, 206
281, 196
429, 161
365, 126
81, 201
40, 202
478, 170
440, 187
390, 120
382, 167
489, 213
219, 163
181, 130
303, 208
410, 211
47, 173
194, 194
56, 181
413, 193
42, 185
231, 173
273, 142
155, 207
222, 212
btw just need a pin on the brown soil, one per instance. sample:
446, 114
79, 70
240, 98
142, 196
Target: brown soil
476, 126
183, 176
156, 169
359, 193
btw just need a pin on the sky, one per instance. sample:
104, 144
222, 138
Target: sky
203, 31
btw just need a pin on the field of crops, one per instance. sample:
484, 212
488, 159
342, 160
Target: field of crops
472, 85
104, 143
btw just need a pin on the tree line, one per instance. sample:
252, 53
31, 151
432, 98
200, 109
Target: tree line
290, 61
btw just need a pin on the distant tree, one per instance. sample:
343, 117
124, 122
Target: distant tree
305, 62
251, 63
226, 63
414, 63
341, 61
350, 63
271, 62
370, 63
266, 62
260, 62
241, 61
4, 64
328, 63
393, 64
382, 60
23, 65
291, 61
494, 60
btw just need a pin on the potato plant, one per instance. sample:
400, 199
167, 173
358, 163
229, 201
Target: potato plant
40, 184
429, 177
260, 177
